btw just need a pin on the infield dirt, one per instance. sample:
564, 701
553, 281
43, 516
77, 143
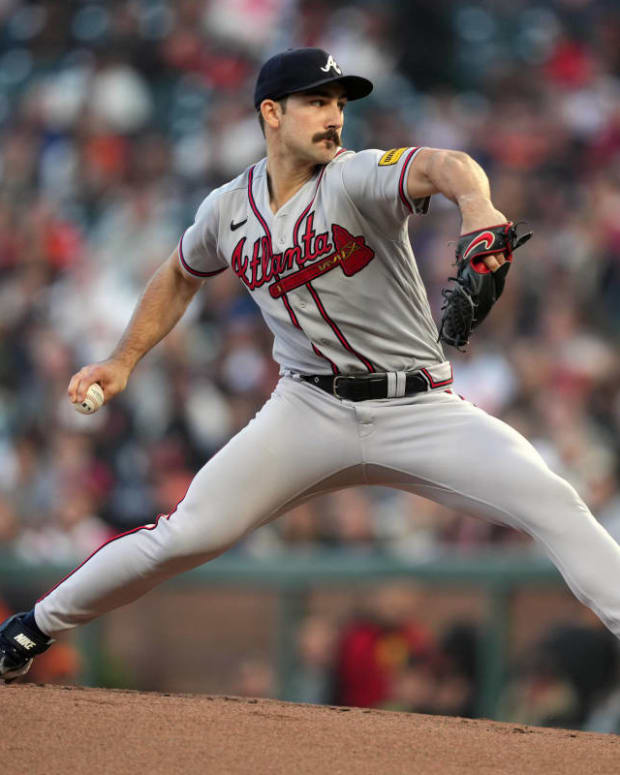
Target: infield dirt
52, 729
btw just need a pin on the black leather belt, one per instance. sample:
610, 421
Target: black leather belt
365, 387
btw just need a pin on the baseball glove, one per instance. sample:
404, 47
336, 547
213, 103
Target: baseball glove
476, 288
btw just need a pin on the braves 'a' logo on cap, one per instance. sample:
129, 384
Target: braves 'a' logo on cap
331, 64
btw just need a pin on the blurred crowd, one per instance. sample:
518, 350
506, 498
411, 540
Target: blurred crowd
118, 118
383, 655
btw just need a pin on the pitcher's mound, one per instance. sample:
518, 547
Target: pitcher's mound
51, 729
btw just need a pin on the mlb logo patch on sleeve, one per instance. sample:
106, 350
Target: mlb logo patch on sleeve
391, 157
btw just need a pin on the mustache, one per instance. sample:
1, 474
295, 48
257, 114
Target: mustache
331, 134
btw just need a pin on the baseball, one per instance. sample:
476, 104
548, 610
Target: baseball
93, 400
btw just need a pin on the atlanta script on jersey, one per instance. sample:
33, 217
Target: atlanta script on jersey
332, 271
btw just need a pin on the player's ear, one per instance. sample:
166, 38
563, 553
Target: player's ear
271, 112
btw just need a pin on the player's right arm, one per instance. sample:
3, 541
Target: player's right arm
165, 299
388, 186
461, 180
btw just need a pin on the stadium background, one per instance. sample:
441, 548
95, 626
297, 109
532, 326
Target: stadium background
116, 120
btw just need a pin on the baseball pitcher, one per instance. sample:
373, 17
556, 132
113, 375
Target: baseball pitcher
318, 236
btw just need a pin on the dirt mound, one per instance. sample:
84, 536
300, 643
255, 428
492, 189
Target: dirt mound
51, 729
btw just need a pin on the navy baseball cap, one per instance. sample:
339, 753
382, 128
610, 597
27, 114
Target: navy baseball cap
301, 69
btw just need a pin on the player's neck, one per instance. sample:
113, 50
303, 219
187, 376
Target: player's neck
285, 176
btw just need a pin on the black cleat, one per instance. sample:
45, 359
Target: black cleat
18, 645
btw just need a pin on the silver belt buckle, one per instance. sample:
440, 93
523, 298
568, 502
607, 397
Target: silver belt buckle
335, 386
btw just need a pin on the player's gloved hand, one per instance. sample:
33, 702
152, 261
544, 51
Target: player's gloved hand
476, 288
111, 374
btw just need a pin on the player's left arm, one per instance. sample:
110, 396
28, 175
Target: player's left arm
462, 180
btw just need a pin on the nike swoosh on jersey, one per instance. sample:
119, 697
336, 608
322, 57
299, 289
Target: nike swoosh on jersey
234, 226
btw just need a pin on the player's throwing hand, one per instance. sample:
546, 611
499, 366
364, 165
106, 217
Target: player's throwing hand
111, 374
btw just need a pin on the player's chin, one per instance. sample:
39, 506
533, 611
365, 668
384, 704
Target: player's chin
326, 150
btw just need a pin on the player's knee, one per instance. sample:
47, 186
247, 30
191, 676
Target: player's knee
182, 543
557, 507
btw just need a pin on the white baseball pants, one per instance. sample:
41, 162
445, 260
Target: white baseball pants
304, 442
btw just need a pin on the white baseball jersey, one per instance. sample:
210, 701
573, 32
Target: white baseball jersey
332, 271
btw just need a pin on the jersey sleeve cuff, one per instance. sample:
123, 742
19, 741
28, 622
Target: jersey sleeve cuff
190, 271
417, 206
420, 206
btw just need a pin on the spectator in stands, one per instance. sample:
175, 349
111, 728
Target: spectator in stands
385, 642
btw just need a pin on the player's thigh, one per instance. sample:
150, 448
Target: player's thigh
454, 453
295, 445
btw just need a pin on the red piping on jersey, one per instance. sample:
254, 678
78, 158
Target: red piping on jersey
336, 330
189, 268
111, 540
432, 382
401, 182
314, 293
305, 212
263, 223
335, 369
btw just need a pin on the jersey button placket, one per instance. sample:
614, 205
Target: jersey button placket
297, 301
281, 225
